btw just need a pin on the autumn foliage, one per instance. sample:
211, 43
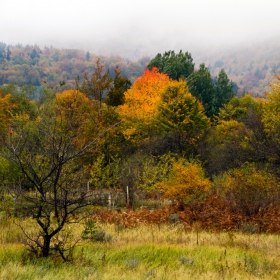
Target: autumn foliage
147, 140
212, 214
187, 182
181, 113
141, 102
249, 189
6, 108
76, 113
271, 113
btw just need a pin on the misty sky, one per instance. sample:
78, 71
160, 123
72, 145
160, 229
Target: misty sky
128, 23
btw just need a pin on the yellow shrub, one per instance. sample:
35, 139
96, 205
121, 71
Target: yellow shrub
187, 182
248, 188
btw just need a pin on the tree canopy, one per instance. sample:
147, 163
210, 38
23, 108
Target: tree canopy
141, 102
176, 66
201, 86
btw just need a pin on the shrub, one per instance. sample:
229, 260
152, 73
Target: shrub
173, 219
186, 260
92, 232
248, 188
249, 228
132, 263
187, 182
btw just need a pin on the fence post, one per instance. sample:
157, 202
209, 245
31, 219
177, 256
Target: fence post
109, 200
127, 196
88, 190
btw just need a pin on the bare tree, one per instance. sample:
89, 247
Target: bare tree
48, 153
98, 86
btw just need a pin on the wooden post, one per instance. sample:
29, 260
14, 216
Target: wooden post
109, 200
88, 190
127, 196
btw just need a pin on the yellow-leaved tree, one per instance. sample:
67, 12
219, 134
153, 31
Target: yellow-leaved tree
271, 115
77, 112
85, 116
49, 155
6, 108
181, 118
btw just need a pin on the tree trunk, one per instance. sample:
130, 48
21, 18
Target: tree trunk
46, 247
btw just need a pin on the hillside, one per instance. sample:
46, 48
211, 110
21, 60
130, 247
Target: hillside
30, 64
251, 66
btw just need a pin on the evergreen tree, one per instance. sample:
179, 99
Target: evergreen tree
201, 86
2, 51
120, 85
223, 90
8, 53
176, 66
34, 54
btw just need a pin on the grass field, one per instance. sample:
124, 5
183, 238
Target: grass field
147, 252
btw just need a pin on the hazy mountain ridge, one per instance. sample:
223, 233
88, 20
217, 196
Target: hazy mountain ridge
251, 66
31, 64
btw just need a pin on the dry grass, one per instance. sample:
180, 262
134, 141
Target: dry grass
148, 251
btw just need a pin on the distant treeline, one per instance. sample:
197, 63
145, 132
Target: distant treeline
252, 68
32, 65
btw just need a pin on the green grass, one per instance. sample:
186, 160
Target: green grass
147, 252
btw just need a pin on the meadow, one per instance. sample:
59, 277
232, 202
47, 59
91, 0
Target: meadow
145, 251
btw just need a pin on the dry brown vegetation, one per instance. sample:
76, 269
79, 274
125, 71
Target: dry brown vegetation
213, 214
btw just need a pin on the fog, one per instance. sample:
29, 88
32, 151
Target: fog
137, 28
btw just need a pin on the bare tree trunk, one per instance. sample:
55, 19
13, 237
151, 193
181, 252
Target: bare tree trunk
47, 244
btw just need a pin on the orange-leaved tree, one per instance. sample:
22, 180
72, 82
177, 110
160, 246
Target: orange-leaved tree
141, 102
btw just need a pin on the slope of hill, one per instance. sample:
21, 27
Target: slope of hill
30, 64
250, 66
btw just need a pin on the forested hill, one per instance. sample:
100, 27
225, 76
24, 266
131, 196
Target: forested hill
251, 67
32, 65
